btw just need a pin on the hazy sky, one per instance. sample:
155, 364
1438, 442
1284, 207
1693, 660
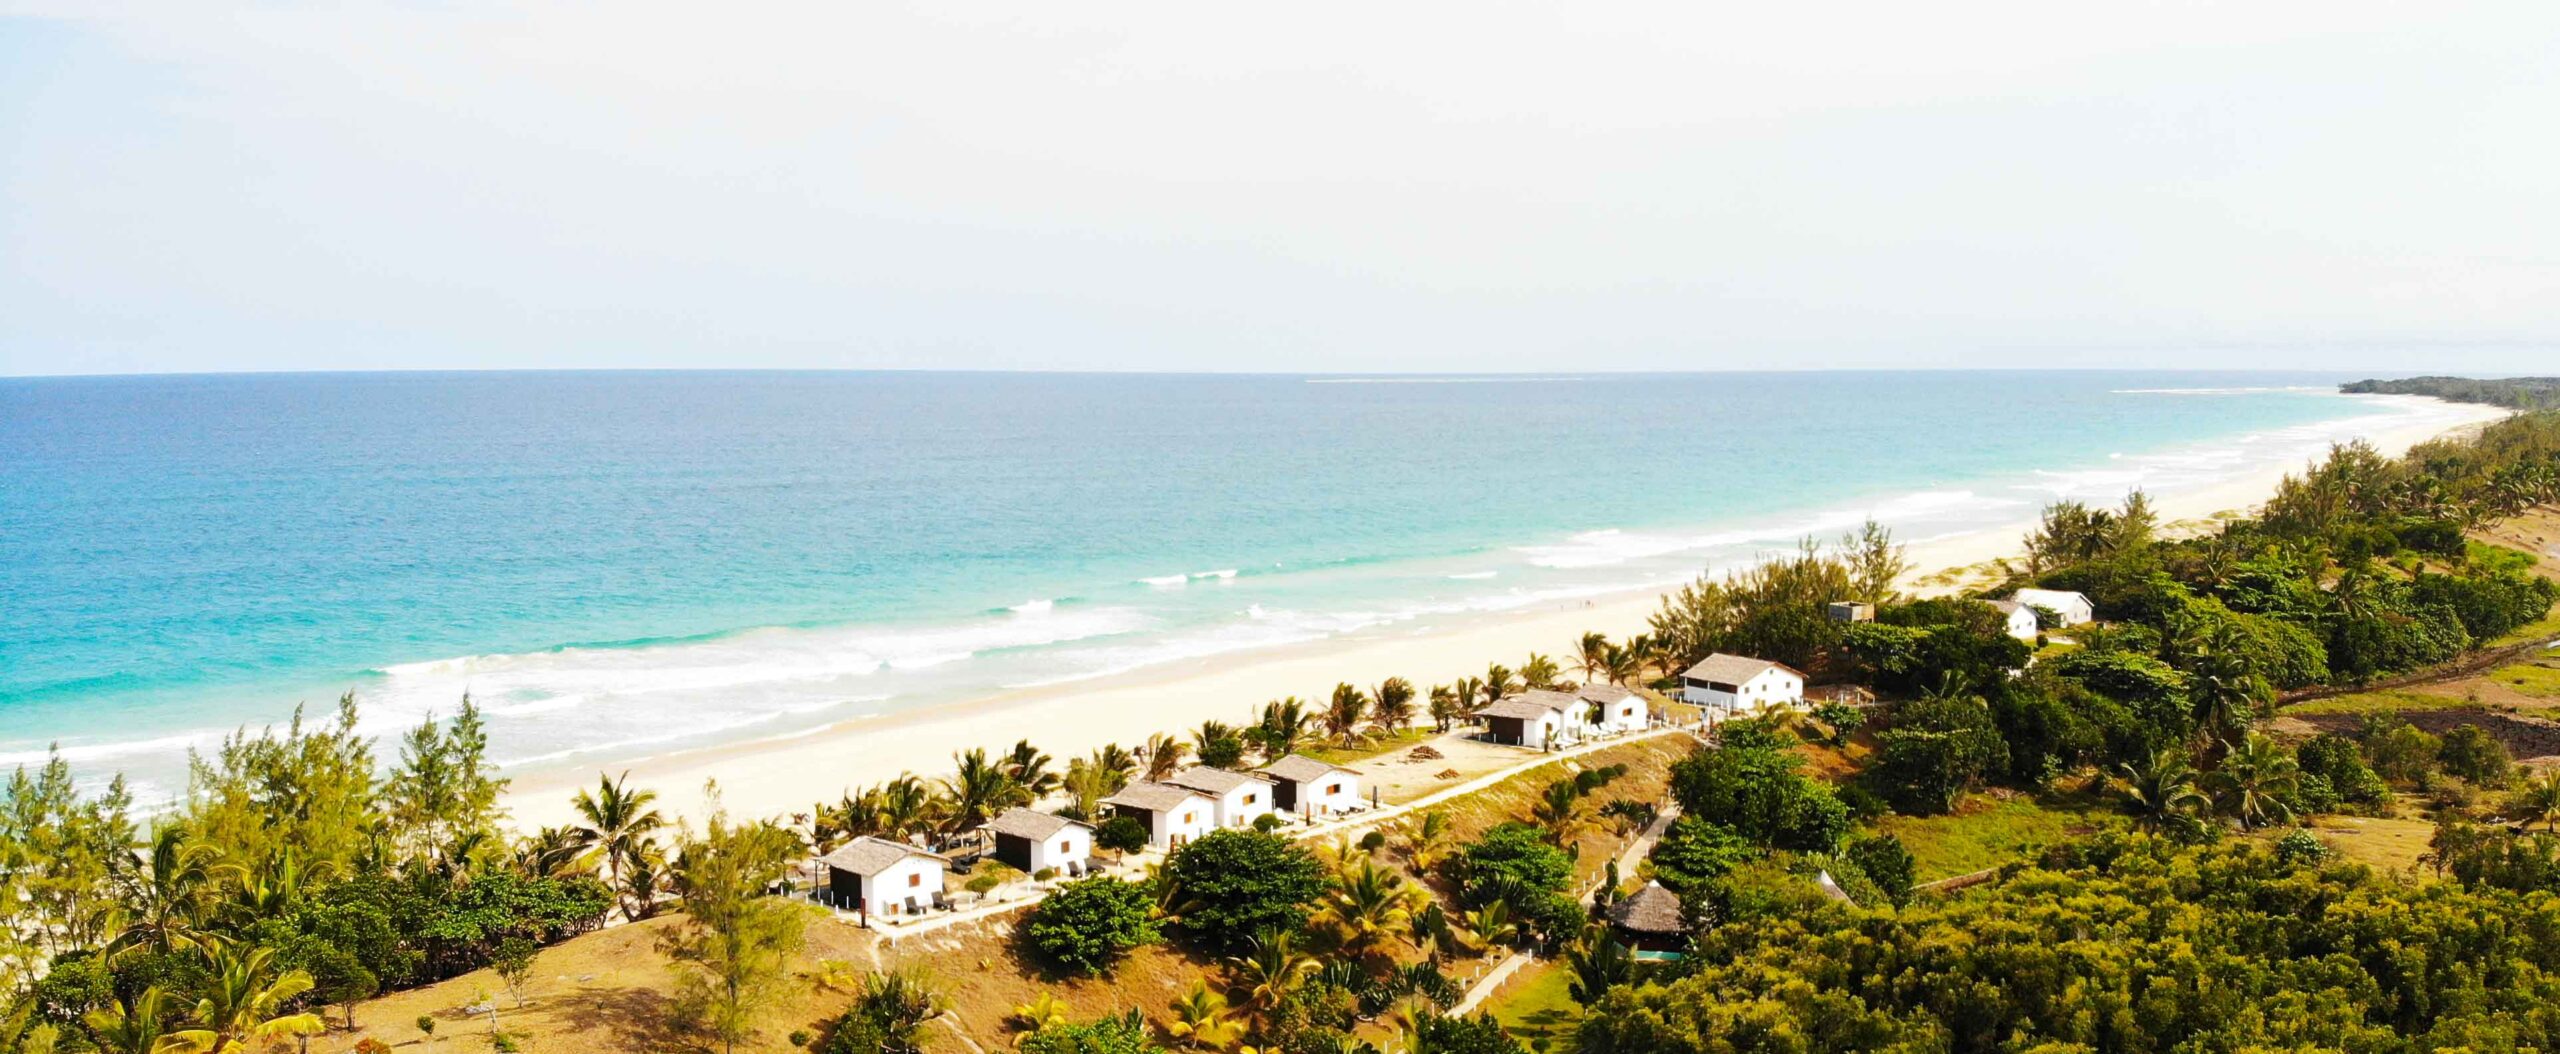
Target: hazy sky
1396, 186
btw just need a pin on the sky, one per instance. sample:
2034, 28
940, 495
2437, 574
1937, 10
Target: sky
1325, 187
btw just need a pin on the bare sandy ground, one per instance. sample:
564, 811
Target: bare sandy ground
779, 777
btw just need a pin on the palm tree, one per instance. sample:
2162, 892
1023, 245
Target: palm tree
166, 898
909, 806
1201, 1021
1216, 744
131, 1026
1029, 769
2539, 801
2223, 688
1491, 926
644, 879
551, 852
1272, 970
2161, 789
273, 890
1163, 755
1283, 728
242, 1009
1367, 902
1628, 815
1621, 665
618, 821
1599, 963
1425, 839
1593, 652
1559, 810
1091, 779
1394, 704
976, 790
1345, 716
2255, 779
1540, 671
1497, 683
1044, 1010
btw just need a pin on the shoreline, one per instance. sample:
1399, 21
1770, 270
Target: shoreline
781, 775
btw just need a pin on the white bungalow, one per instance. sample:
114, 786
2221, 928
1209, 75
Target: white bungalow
1538, 718
1307, 787
1735, 683
1620, 709
1037, 841
876, 876
1242, 797
2074, 608
2022, 619
1173, 815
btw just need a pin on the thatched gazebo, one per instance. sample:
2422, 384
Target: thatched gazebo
1651, 919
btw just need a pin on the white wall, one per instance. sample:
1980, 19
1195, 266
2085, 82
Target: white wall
1312, 798
1075, 844
1169, 822
887, 893
1239, 807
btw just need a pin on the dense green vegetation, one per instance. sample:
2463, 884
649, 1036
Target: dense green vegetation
2522, 393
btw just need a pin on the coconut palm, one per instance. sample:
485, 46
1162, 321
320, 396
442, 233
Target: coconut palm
1491, 926
2223, 688
1540, 671
243, 1005
1347, 716
1367, 902
645, 879
2161, 789
1593, 653
1091, 779
1621, 664
1201, 1020
1498, 682
1163, 755
1424, 839
1043, 1011
1559, 810
2539, 801
1274, 968
909, 806
551, 852
617, 822
1217, 743
976, 791
1283, 728
1471, 693
273, 890
1628, 815
1029, 769
2255, 779
165, 900
1394, 704
1599, 963
1445, 707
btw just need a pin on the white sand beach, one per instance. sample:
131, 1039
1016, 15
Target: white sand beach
786, 775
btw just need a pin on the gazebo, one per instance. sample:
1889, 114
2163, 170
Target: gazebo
1651, 920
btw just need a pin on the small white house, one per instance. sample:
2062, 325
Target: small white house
2074, 608
1035, 841
1242, 797
1620, 709
2022, 619
1538, 718
1307, 787
1737, 684
888, 879
1173, 815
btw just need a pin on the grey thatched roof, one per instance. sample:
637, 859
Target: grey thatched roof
1531, 705
1213, 781
2007, 607
1299, 768
1031, 824
1732, 669
1652, 909
1154, 797
1604, 693
867, 856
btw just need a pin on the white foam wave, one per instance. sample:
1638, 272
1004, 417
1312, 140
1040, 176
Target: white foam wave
1474, 576
1034, 607
1608, 547
1172, 581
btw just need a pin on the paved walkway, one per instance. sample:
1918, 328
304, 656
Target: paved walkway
1635, 852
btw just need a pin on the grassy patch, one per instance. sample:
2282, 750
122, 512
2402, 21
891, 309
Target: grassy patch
2384, 702
2545, 629
1403, 740
1986, 832
2489, 556
1538, 1003
2382, 843
2531, 678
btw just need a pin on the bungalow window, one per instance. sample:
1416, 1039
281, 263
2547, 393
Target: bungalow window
1186, 817
1333, 788
915, 878
1252, 798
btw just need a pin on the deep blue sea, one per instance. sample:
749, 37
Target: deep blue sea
623, 563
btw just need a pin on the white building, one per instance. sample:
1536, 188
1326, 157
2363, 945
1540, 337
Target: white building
1241, 797
2074, 608
1035, 841
1173, 815
1621, 709
888, 879
1307, 787
2022, 619
1737, 684
1538, 718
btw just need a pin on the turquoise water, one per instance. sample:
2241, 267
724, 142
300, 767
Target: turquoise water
619, 564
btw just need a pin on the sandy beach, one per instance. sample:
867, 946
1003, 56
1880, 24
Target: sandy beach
788, 774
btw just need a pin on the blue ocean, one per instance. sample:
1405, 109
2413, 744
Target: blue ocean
619, 564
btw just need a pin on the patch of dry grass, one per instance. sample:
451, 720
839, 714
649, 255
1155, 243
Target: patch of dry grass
2384, 843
